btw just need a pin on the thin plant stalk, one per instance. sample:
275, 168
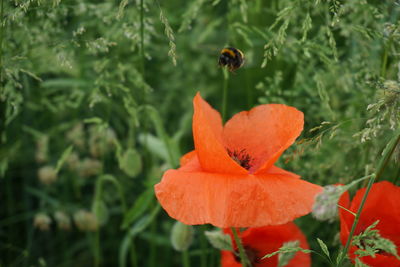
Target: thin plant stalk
133, 254
242, 253
142, 36
381, 167
397, 176
97, 248
153, 248
1, 43
185, 258
387, 154
385, 57
203, 246
225, 93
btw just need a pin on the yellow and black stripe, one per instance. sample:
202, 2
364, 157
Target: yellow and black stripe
231, 57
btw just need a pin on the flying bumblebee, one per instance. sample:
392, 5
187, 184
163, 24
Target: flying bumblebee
231, 57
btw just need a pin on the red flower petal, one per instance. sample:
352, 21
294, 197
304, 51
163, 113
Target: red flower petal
188, 157
207, 135
195, 197
268, 239
382, 205
264, 133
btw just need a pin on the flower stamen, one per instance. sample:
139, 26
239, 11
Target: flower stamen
241, 157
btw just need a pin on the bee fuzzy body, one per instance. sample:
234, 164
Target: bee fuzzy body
232, 58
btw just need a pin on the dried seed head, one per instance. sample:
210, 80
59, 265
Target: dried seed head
86, 221
73, 161
42, 221
90, 167
63, 220
77, 136
42, 148
325, 206
47, 175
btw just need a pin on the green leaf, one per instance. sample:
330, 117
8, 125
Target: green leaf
131, 162
95, 120
287, 248
63, 158
359, 263
154, 145
323, 247
285, 257
339, 257
141, 205
219, 240
134, 230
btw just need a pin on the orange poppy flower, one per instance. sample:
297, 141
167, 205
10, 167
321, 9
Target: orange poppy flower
229, 180
261, 241
382, 204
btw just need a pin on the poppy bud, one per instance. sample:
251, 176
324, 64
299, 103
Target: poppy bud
325, 206
181, 236
100, 140
86, 221
47, 175
90, 167
42, 147
77, 136
63, 220
42, 221
219, 240
73, 161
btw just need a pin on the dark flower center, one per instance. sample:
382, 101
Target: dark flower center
241, 157
251, 255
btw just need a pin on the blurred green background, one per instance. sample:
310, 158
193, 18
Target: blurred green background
96, 102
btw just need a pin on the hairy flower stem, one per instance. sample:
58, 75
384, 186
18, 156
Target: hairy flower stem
381, 167
224, 93
243, 257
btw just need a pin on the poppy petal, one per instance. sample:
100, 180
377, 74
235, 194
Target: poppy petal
194, 197
275, 170
264, 133
268, 239
207, 135
382, 205
387, 214
187, 157
346, 218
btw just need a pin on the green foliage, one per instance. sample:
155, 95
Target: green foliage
287, 252
370, 243
219, 240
